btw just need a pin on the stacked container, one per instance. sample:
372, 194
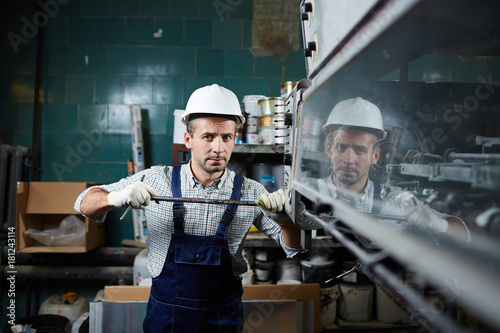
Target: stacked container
252, 118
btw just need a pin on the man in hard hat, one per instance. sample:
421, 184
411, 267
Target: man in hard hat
195, 249
354, 129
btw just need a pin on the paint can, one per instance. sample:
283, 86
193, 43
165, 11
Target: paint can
251, 104
388, 311
328, 305
287, 269
252, 124
252, 138
287, 87
355, 302
317, 272
263, 270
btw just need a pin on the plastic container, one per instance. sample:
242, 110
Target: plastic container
252, 125
252, 104
179, 127
287, 269
388, 311
264, 254
317, 272
263, 282
72, 310
247, 278
278, 172
289, 282
328, 305
355, 303
267, 135
262, 173
142, 277
263, 270
252, 138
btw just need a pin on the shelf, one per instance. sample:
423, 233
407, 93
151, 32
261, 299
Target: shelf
258, 149
258, 239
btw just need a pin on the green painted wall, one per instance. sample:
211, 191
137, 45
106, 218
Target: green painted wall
101, 56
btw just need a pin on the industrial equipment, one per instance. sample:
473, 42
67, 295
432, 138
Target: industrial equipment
432, 67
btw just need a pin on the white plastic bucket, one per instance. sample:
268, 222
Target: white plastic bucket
287, 269
59, 306
355, 302
317, 272
288, 282
389, 312
252, 104
328, 305
179, 127
142, 277
247, 278
263, 270
252, 138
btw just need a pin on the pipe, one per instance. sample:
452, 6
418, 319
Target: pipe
70, 272
37, 101
472, 156
413, 303
205, 201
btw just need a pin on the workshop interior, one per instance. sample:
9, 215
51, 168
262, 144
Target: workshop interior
94, 91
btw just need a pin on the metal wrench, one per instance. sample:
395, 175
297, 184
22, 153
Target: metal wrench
130, 206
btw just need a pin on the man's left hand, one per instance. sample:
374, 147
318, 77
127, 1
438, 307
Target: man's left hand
422, 218
272, 206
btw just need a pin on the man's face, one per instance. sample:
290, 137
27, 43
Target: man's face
351, 153
212, 143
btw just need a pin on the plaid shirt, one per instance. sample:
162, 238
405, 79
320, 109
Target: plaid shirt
394, 202
200, 219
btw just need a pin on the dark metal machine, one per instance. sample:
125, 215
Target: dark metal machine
433, 69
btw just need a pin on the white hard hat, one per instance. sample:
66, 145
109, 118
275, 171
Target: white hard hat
356, 112
214, 100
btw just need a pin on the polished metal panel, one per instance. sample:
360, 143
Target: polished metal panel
433, 70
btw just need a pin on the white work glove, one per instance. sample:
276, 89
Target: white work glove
136, 195
273, 201
422, 218
272, 206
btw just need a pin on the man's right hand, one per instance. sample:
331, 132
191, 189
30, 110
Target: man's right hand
136, 195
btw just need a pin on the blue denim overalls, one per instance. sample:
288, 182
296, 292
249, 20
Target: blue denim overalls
196, 290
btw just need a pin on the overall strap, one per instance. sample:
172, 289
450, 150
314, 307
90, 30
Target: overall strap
231, 209
377, 199
178, 208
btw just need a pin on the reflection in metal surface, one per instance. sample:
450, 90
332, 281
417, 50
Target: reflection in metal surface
433, 71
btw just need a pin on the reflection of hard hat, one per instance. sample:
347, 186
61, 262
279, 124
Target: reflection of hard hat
356, 112
215, 100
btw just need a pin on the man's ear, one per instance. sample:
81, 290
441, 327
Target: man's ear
187, 140
376, 156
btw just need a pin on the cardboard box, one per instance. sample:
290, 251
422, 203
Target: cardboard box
42, 205
269, 292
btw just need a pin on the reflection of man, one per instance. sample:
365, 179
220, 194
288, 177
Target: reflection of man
353, 129
195, 249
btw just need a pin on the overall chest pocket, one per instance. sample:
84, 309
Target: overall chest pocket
197, 270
